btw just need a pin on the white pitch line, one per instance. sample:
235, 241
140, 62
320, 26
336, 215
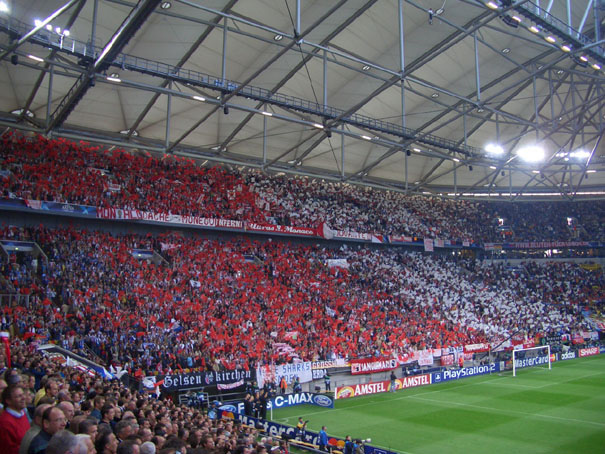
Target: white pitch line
513, 412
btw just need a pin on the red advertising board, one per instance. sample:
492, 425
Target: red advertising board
588, 351
365, 389
371, 365
447, 360
475, 348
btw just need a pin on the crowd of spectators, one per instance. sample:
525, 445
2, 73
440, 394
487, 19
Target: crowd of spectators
218, 304
58, 170
51, 408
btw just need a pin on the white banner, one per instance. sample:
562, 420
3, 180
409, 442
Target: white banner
303, 371
425, 358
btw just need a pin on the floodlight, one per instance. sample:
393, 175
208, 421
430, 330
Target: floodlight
494, 148
531, 153
4, 7
579, 154
565, 48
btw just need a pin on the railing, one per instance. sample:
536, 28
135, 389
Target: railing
533, 11
14, 299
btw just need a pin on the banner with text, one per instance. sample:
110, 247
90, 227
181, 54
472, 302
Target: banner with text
365, 389
371, 365
223, 380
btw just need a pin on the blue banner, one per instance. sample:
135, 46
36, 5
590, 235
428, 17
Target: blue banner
289, 400
456, 374
275, 429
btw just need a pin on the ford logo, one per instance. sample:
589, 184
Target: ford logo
322, 401
230, 408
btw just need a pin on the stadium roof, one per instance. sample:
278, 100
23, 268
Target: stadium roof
318, 88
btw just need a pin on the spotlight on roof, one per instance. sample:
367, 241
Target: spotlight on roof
551, 39
492, 5
534, 29
366, 68
278, 37
510, 21
565, 48
4, 7
580, 61
579, 154
531, 153
165, 5
494, 149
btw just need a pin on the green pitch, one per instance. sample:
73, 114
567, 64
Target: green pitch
561, 410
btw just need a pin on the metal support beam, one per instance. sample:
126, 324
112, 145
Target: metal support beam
342, 155
198, 42
477, 74
168, 113
264, 140
224, 59
120, 38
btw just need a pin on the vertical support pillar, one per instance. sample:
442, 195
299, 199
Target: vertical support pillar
224, 62
325, 81
93, 31
597, 21
49, 99
168, 114
406, 172
477, 74
569, 22
297, 31
264, 140
455, 179
402, 61
342, 153
535, 106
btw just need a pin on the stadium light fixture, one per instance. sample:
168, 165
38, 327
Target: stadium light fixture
65, 32
596, 66
551, 39
35, 58
565, 48
534, 29
113, 79
493, 167
37, 22
318, 126
517, 19
199, 98
584, 58
579, 154
49, 27
366, 137
456, 160
267, 114
531, 153
4, 7
591, 171
492, 5
494, 149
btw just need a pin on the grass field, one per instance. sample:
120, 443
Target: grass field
539, 411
